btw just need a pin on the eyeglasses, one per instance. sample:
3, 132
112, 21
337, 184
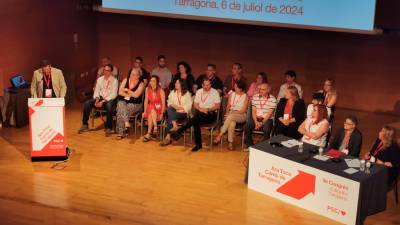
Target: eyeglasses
350, 124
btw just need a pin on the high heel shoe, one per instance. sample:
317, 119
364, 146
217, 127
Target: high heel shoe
217, 140
230, 146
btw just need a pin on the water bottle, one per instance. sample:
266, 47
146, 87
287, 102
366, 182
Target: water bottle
320, 150
300, 147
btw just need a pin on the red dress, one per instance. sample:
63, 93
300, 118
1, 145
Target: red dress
153, 102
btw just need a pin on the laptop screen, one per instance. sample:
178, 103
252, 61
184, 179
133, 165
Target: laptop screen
18, 81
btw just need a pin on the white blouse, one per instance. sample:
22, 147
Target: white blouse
184, 101
237, 101
310, 126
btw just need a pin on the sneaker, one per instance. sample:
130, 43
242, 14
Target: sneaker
84, 128
108, 132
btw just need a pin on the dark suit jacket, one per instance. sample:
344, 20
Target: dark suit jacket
298, 112
355, 141
390, 154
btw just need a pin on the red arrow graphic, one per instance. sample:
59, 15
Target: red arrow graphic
299, 186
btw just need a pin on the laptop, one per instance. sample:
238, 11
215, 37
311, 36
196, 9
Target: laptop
18, 81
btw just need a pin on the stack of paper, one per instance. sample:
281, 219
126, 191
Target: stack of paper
321, 157
290, 143
350, 171
355, 163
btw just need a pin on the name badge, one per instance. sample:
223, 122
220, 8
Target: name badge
286, 116
48, 93
372, 159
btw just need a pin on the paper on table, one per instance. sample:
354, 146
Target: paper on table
353, 163
350, 170
321, 157
290, 143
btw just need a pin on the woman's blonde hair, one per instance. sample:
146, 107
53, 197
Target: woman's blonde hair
293, 91
389, 136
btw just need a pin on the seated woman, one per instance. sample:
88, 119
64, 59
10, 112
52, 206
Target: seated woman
348, 139
235, 112
154, 106
253, 89
386, 152
179, 106
290, 113
130, 100
316, 127
184, 73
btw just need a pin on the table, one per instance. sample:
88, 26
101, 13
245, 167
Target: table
319, 186
16, 106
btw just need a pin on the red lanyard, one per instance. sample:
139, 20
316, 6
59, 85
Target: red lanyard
265, 102
154, 95
106, 90
235, 103
203, 100
47, 80
378, 149
130, 84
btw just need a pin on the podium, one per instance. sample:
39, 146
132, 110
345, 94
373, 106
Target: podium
47, 127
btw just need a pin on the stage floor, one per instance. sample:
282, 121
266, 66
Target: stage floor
129, 182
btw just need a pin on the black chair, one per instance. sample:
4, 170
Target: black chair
394, 187
160, 125
102, 113
210, 127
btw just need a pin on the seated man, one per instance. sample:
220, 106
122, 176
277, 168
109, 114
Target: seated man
211, 74
348, 139
317, 99
263, 107
104, 62
206, 102
290, 80
104, 97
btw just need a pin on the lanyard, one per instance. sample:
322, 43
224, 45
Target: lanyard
262, 104
106, 90
130, 84
378, 149
233, 100
179, 96
47, 80
203, 100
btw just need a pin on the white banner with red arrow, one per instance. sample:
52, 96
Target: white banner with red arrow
47, 127
321, 192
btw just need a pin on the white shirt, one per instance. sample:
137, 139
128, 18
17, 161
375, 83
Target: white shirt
108, 89
310, 126
284, 87
310, 109
207, 99
263, 104
237, 101
184, 101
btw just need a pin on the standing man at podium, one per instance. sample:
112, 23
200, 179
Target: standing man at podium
48, 82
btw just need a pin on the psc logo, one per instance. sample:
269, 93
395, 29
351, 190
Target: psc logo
336, 210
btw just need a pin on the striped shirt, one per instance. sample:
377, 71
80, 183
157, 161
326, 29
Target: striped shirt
263, 104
